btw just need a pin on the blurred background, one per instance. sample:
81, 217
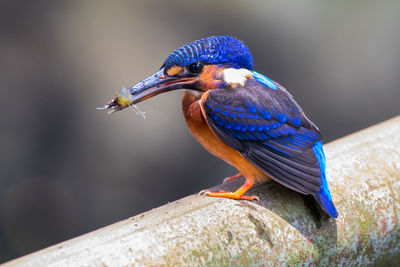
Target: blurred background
67, 169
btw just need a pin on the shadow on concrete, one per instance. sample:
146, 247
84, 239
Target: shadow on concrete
300, 211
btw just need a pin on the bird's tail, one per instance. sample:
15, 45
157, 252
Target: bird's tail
325, 202
323, 197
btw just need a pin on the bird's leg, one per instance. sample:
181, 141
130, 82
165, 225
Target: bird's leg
238, 194
227, 179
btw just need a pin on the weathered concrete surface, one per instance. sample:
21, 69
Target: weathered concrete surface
363, 172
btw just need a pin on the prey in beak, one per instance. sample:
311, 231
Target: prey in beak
153, 85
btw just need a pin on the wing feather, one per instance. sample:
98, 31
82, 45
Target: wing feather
270, 129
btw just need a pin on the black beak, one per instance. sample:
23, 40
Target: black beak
149, 87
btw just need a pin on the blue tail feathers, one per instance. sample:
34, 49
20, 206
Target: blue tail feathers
323, 197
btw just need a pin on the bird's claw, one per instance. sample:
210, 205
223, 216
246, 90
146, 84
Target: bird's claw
230, 195
204, 193
255, 198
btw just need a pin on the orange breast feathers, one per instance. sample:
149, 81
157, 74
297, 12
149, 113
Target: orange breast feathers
195, 119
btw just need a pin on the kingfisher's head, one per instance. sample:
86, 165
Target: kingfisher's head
206, 64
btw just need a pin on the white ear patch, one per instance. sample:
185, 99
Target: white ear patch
236, 77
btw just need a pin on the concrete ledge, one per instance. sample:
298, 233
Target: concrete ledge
286, 228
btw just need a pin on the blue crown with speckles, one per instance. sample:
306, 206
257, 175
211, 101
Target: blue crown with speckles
212, 50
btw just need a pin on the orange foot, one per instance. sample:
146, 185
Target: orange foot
227, 179
238, 194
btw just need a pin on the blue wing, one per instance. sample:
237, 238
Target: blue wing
269, 129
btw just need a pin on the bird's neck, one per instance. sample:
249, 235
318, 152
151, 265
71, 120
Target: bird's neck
191, 110
214, 77
236, 77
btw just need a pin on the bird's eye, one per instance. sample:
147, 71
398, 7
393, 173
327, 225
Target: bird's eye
196, 67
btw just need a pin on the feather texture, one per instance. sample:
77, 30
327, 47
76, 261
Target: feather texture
212, 50
270, 129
